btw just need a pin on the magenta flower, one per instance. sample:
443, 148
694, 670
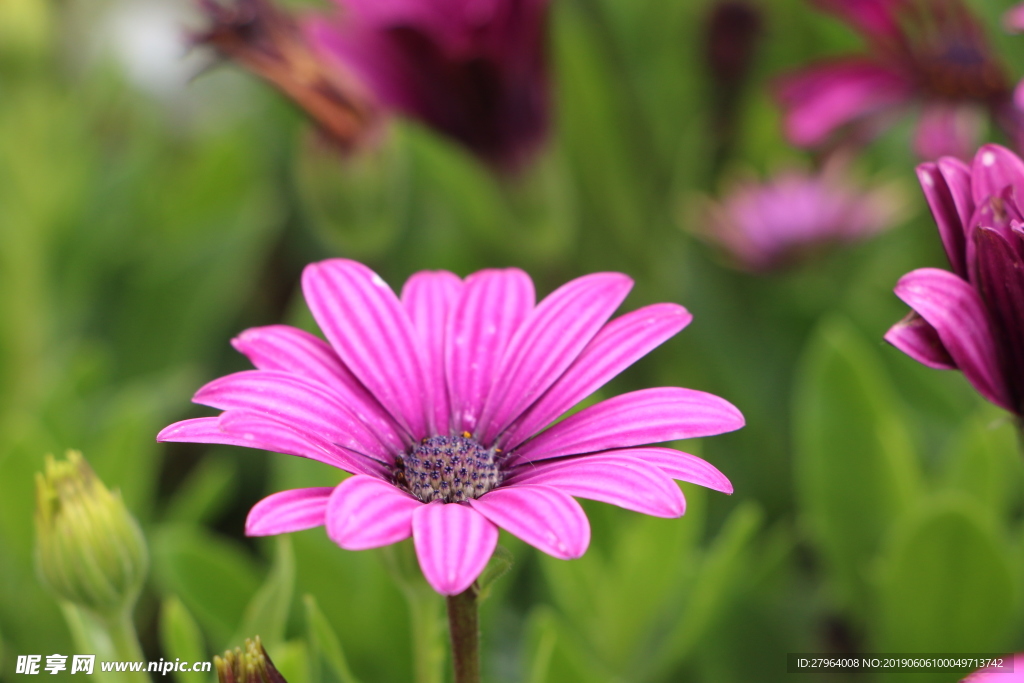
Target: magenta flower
928, 53
973, 318
767, 225
475, 70
435, 402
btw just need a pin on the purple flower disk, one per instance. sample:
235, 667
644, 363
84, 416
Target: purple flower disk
436, 403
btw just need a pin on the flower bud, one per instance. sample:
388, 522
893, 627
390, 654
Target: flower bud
89, 549
251, 666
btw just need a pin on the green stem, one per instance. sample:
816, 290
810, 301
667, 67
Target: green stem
126, 645
464, 625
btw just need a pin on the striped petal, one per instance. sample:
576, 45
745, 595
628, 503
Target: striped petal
453, 543
957, 313
287, 511
549, 340
947, 187
289, 349
627, 482
994, 169
300, 403
493, 306
371, 332
634, 419
680, 466
267, 435
544, 517
366, 512
255, 430
618, 345
919, 340
429, 297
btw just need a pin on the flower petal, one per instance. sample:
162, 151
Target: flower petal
493, 305
995, 168
256, 430
270, 436
919, 340
947, 187
288, 349
453, 543
429, 297
681, 466
946, 129
633, 419
287, 511
544, 517
304, 405
547, 343
822, 98
366, 512
618, 345
956, 311
1001, 282
627, 482
372, 333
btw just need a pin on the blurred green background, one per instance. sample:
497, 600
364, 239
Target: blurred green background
147, 217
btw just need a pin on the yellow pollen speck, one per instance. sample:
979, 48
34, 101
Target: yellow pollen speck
466, 435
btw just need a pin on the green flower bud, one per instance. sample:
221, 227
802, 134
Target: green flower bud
251, 666
89, 549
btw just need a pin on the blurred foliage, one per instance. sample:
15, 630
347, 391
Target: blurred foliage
146, 219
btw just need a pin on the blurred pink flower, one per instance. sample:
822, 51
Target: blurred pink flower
997, 676
475, 70
928, 53
771, 224
435, 401
973, 318
1013, 19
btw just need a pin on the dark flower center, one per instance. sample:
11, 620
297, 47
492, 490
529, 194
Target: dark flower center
452, 469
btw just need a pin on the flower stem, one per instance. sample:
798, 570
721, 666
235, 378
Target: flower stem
464, 625
126, 643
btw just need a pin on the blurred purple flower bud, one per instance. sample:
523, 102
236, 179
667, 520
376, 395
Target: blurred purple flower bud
474, 70
733, 29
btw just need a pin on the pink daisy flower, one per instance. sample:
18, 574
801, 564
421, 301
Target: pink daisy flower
436, 402
928, 53
772, 224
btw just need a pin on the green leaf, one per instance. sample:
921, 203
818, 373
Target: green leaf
983, 461
499, 565
855, 465
541, 638
181, 638
203, 495
267, 612
946, 583
634, 578
324, 643
213, 576
722, 567
291, 659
